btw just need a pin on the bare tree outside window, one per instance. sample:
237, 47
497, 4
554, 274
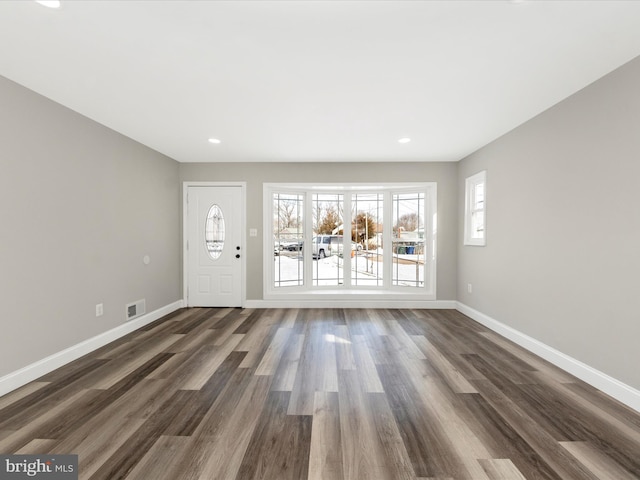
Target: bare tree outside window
329, 219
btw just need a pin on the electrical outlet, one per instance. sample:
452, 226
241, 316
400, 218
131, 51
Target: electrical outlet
99, 310
469, 288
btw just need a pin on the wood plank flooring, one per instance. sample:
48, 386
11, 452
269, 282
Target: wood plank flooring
321, 394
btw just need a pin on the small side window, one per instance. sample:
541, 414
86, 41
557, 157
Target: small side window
475, 215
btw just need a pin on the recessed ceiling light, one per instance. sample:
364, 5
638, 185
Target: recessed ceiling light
49, 3
214, 140
404, 140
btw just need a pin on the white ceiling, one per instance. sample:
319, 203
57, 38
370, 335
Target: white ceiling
314, 80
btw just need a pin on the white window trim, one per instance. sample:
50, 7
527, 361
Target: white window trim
306, 292
470, 185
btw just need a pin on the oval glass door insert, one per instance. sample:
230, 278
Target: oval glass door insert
214, 232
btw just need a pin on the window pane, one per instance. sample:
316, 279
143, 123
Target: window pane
408, 240
478, 196
327, 244
366, 236
477, 224
214, 232
288, 235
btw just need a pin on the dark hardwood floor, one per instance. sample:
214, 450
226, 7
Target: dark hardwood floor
321, 394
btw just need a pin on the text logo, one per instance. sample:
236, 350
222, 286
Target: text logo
49, 467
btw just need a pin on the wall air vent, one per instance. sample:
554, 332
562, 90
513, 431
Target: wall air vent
135, 309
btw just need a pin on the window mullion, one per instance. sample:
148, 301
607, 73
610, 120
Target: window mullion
346, 239
426, 243
387, 227
307, 248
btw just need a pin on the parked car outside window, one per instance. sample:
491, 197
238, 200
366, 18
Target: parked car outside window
327, 245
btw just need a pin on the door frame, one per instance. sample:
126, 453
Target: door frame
243, 236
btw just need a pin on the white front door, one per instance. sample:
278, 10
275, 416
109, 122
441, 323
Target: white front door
214, 247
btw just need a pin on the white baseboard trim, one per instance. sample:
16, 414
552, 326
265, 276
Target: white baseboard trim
607, 384
353, 303
35, 370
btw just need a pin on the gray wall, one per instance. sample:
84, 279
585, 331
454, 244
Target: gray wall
255, 174
80, 205
562, 261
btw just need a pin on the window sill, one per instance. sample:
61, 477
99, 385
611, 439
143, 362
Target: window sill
340, 293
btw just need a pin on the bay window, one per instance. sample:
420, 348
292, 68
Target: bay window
350, 239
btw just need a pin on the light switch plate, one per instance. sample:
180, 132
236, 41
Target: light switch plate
253, 232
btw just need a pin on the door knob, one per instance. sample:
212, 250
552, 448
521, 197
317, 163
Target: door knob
238, 255
238, 248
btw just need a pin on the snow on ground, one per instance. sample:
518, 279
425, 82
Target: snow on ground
364, 265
